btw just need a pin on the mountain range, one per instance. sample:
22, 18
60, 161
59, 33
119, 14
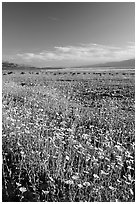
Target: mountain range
125, 64
120, 64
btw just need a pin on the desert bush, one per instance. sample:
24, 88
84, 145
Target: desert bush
10, 73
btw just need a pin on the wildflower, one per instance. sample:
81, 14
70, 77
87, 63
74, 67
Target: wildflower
95, 148
27, 131
18, 143
23, 189
112, 188
67, 158
86, 184
117, 200
100, 157
45, 192
51, 179
119, 158
96, 176
88, 158
124, 177
112, 165
131, 192
101, 150
120, 164
69, 182
106, 158
86, 172
94, 159
85, 136
127, 183
129, 177
80, 146
128, 155
119, 148
75, 177
118, 181
18, 184
23, 154
129, 167
80, 186
104, 173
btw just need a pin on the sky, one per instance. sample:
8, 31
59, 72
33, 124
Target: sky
67, 33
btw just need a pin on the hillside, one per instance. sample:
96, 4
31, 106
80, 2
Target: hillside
119, 64
14, 66
125, 64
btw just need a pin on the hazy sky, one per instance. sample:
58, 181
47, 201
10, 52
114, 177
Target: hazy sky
67, 34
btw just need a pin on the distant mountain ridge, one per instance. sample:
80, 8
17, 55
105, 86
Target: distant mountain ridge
14, 66
118, 64
125, 64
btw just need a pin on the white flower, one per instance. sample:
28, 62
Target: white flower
22, 153
113, 165
19, 144
45, 192
117, 200
75, 177
129, 177
96, 176
22, 189
129, 167
101, 157
119, 147
111, 187
131, 192
18, 184
107, 159
80, 146
118, 181
80, 186
101, 150
127, 183
69, 182
85, 136
86, 184
51, 179
119, 158
27, 131
88, 158
67, 158
104, 173
94, 159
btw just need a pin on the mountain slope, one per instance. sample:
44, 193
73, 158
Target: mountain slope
125, 64
14, 66
120, 64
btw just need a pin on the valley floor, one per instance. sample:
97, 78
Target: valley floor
68, 136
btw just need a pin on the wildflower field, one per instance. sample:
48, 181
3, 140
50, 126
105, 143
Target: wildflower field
68, 136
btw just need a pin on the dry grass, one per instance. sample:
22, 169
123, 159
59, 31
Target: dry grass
67, 140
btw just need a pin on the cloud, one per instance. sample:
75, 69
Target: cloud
84, 53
